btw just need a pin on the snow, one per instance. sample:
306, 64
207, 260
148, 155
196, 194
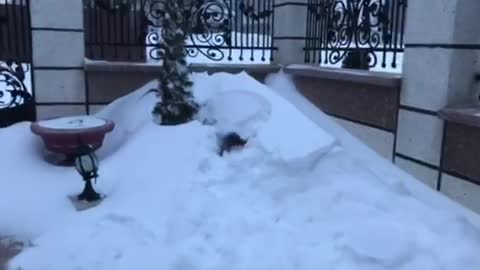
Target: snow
73, 122
173, 203
383, 168
129, 113
236, 111
242, 110
32, 194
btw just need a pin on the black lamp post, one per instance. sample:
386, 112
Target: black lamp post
86, 164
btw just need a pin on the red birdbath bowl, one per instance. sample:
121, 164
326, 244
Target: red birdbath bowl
63, 136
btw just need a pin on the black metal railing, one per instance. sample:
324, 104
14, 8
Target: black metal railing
355, 33
219, 30
16, 88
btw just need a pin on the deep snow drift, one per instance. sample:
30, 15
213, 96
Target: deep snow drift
302, 194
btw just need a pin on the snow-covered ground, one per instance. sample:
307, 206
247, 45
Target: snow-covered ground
302, 194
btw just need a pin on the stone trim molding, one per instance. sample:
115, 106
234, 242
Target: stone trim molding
56, 29
105, 66
444, 46
469, 116
349, 75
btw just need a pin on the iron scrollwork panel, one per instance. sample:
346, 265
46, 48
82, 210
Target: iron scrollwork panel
210, 29
210, 26
356, 24
217, 29
13, 90
16, 88
359, 28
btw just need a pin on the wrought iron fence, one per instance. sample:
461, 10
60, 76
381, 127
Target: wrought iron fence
16, 88
219, 30
355, 33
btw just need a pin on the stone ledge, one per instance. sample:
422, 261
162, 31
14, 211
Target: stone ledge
106, 66
108, 81
236, 68
371, 97
348, 75
469, 116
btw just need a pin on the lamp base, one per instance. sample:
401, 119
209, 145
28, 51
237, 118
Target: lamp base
89, 194
89, 197
82, 205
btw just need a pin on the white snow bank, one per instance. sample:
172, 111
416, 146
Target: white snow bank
384, 169
144, 181
236, 111
129, 113
32, 193
264, 124
173, 203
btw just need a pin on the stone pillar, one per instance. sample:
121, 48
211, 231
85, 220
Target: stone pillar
438, 72
290, 28
58, 57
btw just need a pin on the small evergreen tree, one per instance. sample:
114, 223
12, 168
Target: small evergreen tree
176, 105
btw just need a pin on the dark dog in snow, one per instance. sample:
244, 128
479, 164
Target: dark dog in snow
230, 142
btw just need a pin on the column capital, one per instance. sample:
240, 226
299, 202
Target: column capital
60, 14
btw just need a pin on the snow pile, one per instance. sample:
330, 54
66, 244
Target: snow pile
173, 203
254, 110
236, 111
129, 114
357, 150
32, 193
